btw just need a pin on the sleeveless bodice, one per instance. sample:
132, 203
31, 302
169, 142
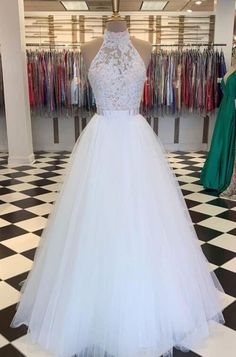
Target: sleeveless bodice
117, 73
229, 86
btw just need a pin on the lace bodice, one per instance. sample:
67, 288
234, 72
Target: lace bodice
117, 73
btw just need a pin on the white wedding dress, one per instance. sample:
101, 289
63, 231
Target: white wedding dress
119, 271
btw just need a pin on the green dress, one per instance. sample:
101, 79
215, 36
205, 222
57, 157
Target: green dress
218, 168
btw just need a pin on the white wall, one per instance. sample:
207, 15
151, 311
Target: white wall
190, 134
15, 82
224, 26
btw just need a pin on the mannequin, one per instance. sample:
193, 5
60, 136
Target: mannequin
218, 170
115, 24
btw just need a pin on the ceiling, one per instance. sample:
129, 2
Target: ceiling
130, 5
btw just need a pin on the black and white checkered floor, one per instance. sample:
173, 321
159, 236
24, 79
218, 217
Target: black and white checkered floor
26, 197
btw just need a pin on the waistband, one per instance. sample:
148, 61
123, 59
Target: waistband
108, 112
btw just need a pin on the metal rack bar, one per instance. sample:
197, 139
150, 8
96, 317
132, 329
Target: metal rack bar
154, 45
192, 45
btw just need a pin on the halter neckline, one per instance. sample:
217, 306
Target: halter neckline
117, 36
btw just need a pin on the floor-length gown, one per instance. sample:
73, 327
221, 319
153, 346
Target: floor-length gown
119, 271
219, 165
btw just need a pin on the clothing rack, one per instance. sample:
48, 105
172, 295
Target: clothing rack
191, 45
75, 45
53, 46
177, 79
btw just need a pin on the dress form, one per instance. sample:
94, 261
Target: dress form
218, 168
230, 192
90, 49
117, 274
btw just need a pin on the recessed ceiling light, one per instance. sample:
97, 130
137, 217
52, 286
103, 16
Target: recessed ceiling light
75, 5
189, 10
153, 5
198, 2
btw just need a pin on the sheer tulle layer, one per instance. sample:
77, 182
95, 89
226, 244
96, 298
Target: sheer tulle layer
119, 271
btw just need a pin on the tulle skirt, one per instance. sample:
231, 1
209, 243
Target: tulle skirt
119, 271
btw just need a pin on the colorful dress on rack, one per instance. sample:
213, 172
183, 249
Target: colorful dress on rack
218, 168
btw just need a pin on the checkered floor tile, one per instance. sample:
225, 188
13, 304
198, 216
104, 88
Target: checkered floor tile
26, 197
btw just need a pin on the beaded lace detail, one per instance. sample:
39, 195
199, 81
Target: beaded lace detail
117, 73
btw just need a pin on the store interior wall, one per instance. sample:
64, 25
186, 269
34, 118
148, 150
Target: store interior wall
15, 82
190, 128
190, 134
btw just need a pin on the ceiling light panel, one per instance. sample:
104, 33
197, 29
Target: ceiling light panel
153, 5
75, 5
